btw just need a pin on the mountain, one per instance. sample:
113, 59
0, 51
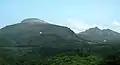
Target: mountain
96, 34
37, 42
22, 33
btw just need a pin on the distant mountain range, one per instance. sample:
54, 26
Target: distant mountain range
96, 34
33, 31
35, 36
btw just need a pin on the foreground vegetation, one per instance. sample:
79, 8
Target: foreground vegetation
87, 55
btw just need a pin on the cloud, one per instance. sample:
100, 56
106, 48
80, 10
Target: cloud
56, 23
77, 25
116, 26
116, 23
2, 26
74, 24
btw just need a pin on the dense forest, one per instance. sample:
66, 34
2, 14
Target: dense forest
87, 55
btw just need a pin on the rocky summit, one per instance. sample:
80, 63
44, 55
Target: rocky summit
33, 20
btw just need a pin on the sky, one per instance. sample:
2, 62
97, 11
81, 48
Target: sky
78, 15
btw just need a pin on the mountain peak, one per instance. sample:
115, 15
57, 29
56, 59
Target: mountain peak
110, 31
96, 34
33, 20
96, 28
107, 29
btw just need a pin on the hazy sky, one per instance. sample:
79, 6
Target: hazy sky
76, 14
